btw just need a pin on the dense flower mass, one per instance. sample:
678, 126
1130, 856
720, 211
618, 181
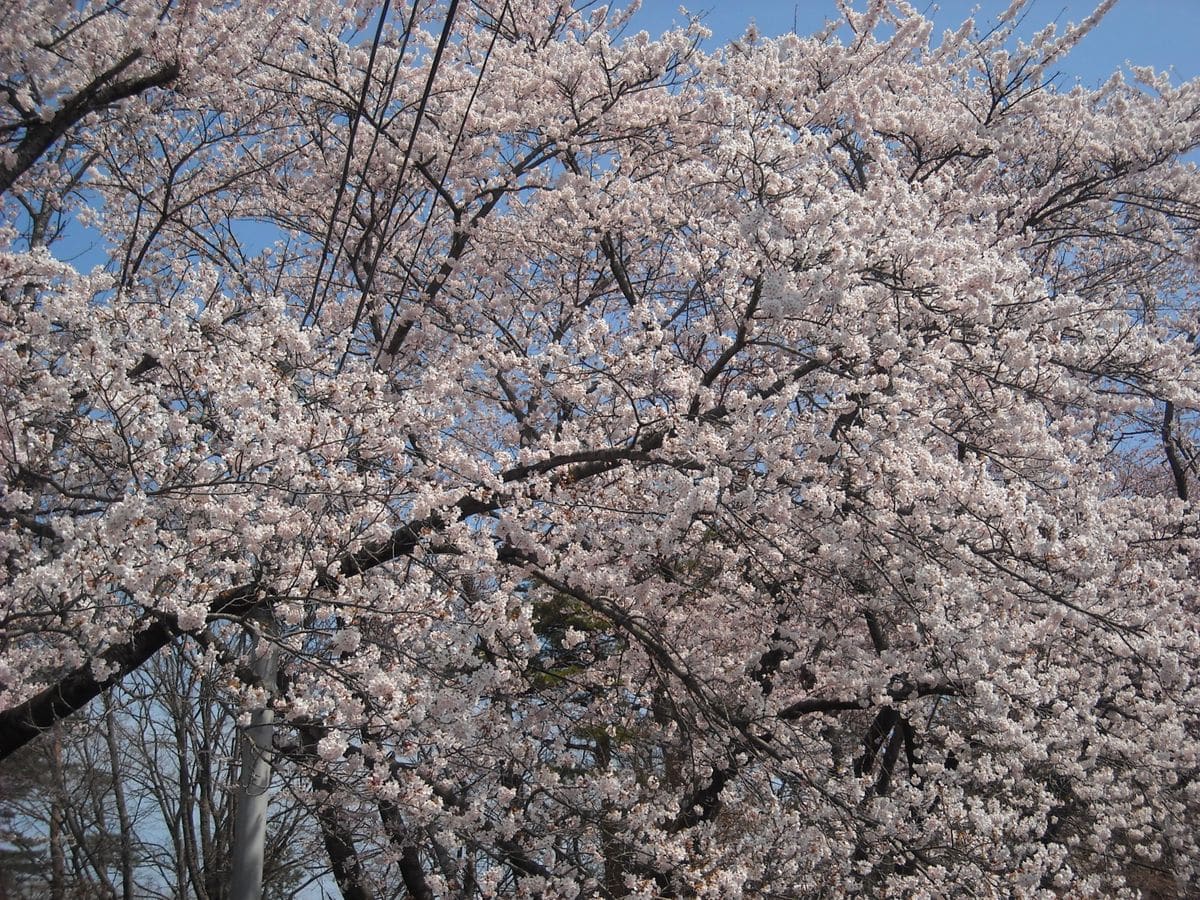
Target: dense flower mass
656, 473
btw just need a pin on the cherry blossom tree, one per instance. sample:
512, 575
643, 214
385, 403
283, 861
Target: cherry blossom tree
651, 472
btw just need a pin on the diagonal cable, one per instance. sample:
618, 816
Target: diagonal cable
447, 29
355, 118
381, 107
387, 335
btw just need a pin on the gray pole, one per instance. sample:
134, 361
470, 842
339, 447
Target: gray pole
250, 826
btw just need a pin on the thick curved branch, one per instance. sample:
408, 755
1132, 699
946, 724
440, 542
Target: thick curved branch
25, 721
104, 90
1178, 471
339, 841
898, 691
76, 689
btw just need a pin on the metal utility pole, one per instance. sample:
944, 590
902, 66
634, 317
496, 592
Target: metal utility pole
250, 826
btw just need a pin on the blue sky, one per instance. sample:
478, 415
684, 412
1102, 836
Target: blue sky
1160, 33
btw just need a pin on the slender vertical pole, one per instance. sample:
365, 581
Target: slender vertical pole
250, 826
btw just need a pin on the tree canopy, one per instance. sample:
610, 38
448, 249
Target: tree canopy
654, 472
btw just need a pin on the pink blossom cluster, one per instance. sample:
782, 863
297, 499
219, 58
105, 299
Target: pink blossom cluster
769, 472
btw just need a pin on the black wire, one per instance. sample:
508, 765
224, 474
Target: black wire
447, 28
354, 120
462, 125
385, 99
